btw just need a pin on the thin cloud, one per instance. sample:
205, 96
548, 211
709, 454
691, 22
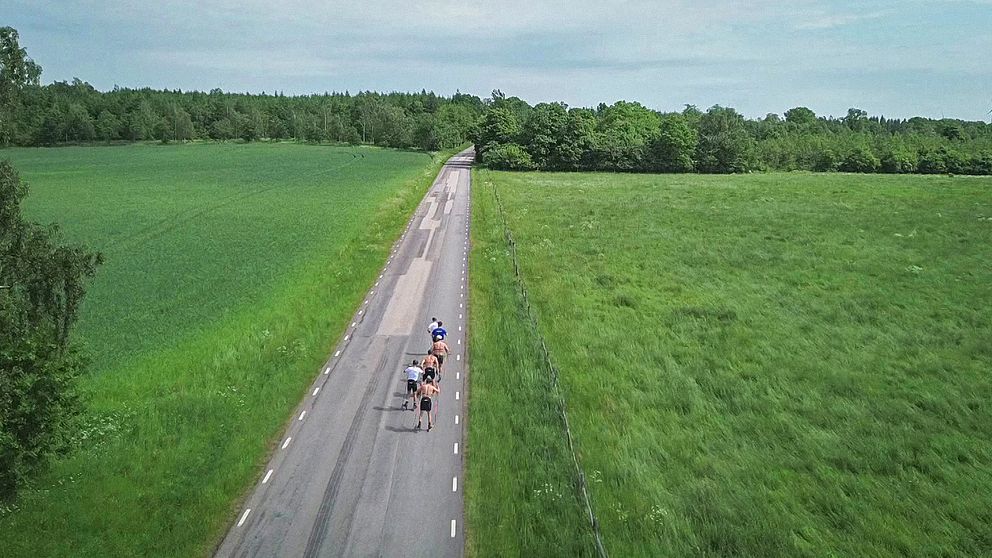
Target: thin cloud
836, 20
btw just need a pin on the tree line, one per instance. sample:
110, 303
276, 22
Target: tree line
628, 137
75, 112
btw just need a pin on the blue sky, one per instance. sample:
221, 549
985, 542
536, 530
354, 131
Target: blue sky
897, 58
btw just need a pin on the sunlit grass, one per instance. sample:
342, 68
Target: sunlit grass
766, 365
231, 270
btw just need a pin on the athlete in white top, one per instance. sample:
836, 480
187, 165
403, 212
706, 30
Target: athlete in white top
413, 373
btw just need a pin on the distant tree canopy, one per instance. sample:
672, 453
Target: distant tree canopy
629, 137
73, 112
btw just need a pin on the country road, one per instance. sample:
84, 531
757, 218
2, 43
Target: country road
351, 476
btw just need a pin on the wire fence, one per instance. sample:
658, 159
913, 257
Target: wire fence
562, 409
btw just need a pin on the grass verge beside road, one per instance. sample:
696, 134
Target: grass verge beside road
763, 365
234, 268
520, 490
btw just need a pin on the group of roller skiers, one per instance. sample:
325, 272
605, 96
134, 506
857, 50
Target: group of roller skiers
423, 377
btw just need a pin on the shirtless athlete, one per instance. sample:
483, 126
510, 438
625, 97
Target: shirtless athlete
428, 390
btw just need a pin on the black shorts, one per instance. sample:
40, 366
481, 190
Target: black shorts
429, 372
440, 359
425, 403
411, 386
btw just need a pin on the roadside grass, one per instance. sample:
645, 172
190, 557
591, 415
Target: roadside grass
231, 271
763, 365
520, 493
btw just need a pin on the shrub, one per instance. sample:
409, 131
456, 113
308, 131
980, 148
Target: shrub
508, 156
860, 159
899, 161
980, 164
826, 161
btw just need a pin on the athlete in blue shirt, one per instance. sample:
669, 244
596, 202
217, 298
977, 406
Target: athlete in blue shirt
439, 331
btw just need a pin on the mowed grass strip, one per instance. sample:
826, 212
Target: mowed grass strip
765, 365
521, 497
231, 272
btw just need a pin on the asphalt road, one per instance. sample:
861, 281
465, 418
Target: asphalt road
351, 476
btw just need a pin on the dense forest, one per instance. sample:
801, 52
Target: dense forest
629, 137
75, 112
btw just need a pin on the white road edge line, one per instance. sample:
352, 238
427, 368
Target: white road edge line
269, 474
452, 528
315, 390
456, 419
337, 353
457, 394
347, 336
303, 414
458, 356
456, 450
244, 516
286, 443
458, 375
454, 484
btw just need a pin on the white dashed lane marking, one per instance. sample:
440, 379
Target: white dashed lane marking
456, 451
456, 419
452, 528
269, 474
286, 443
454, 484
315, 390
303, 414
337, 353
244, 516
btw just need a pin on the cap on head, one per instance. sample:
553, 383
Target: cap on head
437, 337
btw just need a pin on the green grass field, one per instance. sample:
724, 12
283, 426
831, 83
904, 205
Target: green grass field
768, 365
230, 272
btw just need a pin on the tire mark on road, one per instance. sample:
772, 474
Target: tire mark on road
319, 530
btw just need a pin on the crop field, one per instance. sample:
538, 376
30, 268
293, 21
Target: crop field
230, 271
763, 365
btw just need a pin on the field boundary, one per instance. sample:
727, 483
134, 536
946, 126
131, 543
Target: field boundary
553, 369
